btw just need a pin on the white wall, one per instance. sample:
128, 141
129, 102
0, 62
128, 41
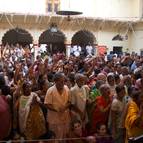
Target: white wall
116, 8
105, 38
104, 8
2, 32
35, 33
90, 8
136, 8
137, 41
23, 6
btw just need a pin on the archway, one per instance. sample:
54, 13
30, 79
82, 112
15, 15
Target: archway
83, 38
55, 41
17, 35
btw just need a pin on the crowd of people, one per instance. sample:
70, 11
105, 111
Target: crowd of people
72, 99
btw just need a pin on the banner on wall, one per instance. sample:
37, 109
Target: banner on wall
102, 49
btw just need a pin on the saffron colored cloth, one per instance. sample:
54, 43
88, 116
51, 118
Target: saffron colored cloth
132, 129
58, 121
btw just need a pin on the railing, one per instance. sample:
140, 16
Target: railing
138, 139
89, 139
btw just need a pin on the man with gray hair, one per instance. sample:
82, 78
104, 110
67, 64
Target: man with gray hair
79, 96
57, 102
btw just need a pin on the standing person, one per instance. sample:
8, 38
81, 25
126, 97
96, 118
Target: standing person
111, 83
5, 115
79, 97
31, 118
117, 107
102, 108
57, 101
134, 116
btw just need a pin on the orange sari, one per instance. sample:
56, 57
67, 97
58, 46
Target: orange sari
98, 115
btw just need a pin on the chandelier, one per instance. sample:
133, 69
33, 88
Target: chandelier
68, 12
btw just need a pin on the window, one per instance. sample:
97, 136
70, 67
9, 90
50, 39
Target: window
56, 6
52, 6
141, 52
117, 50
49, 7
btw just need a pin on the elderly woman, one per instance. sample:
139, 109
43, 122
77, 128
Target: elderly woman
102, 76
111, 83
31, 118
103, 103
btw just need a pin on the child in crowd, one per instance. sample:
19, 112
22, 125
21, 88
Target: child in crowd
102, 135
78, 135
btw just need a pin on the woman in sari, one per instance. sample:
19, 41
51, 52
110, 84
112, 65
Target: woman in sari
31, 118
103, 103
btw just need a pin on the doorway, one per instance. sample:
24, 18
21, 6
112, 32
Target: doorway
117, 50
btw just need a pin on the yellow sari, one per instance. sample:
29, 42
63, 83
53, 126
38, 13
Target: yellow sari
35, 125
132, 130
31, 118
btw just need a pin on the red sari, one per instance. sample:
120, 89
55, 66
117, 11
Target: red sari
98, 115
